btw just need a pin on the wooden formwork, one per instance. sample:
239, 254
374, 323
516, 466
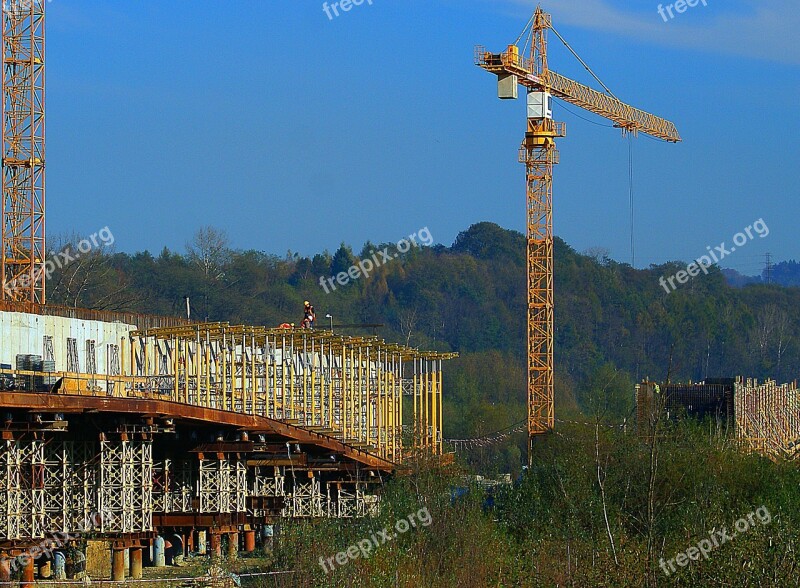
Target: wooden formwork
768, 416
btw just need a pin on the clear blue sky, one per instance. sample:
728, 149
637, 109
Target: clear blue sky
293, 131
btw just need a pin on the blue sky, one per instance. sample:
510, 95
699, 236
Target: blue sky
293, 131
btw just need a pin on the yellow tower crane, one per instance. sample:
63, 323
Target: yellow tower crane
539, 154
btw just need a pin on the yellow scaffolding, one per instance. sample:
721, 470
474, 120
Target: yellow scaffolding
350, 388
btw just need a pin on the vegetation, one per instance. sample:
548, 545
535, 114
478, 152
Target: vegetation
593, 510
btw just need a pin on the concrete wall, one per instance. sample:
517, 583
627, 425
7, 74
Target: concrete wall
22, 333
98, 558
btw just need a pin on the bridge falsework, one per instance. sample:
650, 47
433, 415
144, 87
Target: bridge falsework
198, 430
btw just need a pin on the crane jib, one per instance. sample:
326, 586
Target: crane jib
627, 117
624, 115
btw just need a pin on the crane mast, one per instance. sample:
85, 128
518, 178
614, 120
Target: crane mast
539, 154
23, 210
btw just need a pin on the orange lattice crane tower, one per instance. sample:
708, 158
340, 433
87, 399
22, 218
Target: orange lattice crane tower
22, 242
539, 154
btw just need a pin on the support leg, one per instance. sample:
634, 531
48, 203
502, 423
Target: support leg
5, 568
249, 541
233, 545
27, 575
216, 545
136, 563
118, 565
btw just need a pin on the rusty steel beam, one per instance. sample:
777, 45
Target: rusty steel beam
222, 522
300, 460
187, 413
224, 447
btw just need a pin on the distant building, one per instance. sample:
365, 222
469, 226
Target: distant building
765, 416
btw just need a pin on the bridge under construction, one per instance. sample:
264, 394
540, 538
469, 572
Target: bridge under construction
151, 426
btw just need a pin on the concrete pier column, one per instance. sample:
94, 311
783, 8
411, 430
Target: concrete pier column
59, 566
159, 552
27, 574
190, 542
5, 568
268, 535
216, 545
202, 545
118, 565
233, 545
136, 563
249, 541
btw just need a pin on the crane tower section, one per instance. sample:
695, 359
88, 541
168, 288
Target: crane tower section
23, 215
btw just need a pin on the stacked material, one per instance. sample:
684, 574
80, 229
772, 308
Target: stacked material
42, 381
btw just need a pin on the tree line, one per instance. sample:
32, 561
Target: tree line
614, 324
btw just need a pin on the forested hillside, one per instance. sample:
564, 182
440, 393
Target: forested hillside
614, 324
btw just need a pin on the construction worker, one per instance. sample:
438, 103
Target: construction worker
309, 316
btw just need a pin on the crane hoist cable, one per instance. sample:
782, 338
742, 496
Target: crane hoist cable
631, 201
582, 62
528, 40
528, 27
563, 104
630, 198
